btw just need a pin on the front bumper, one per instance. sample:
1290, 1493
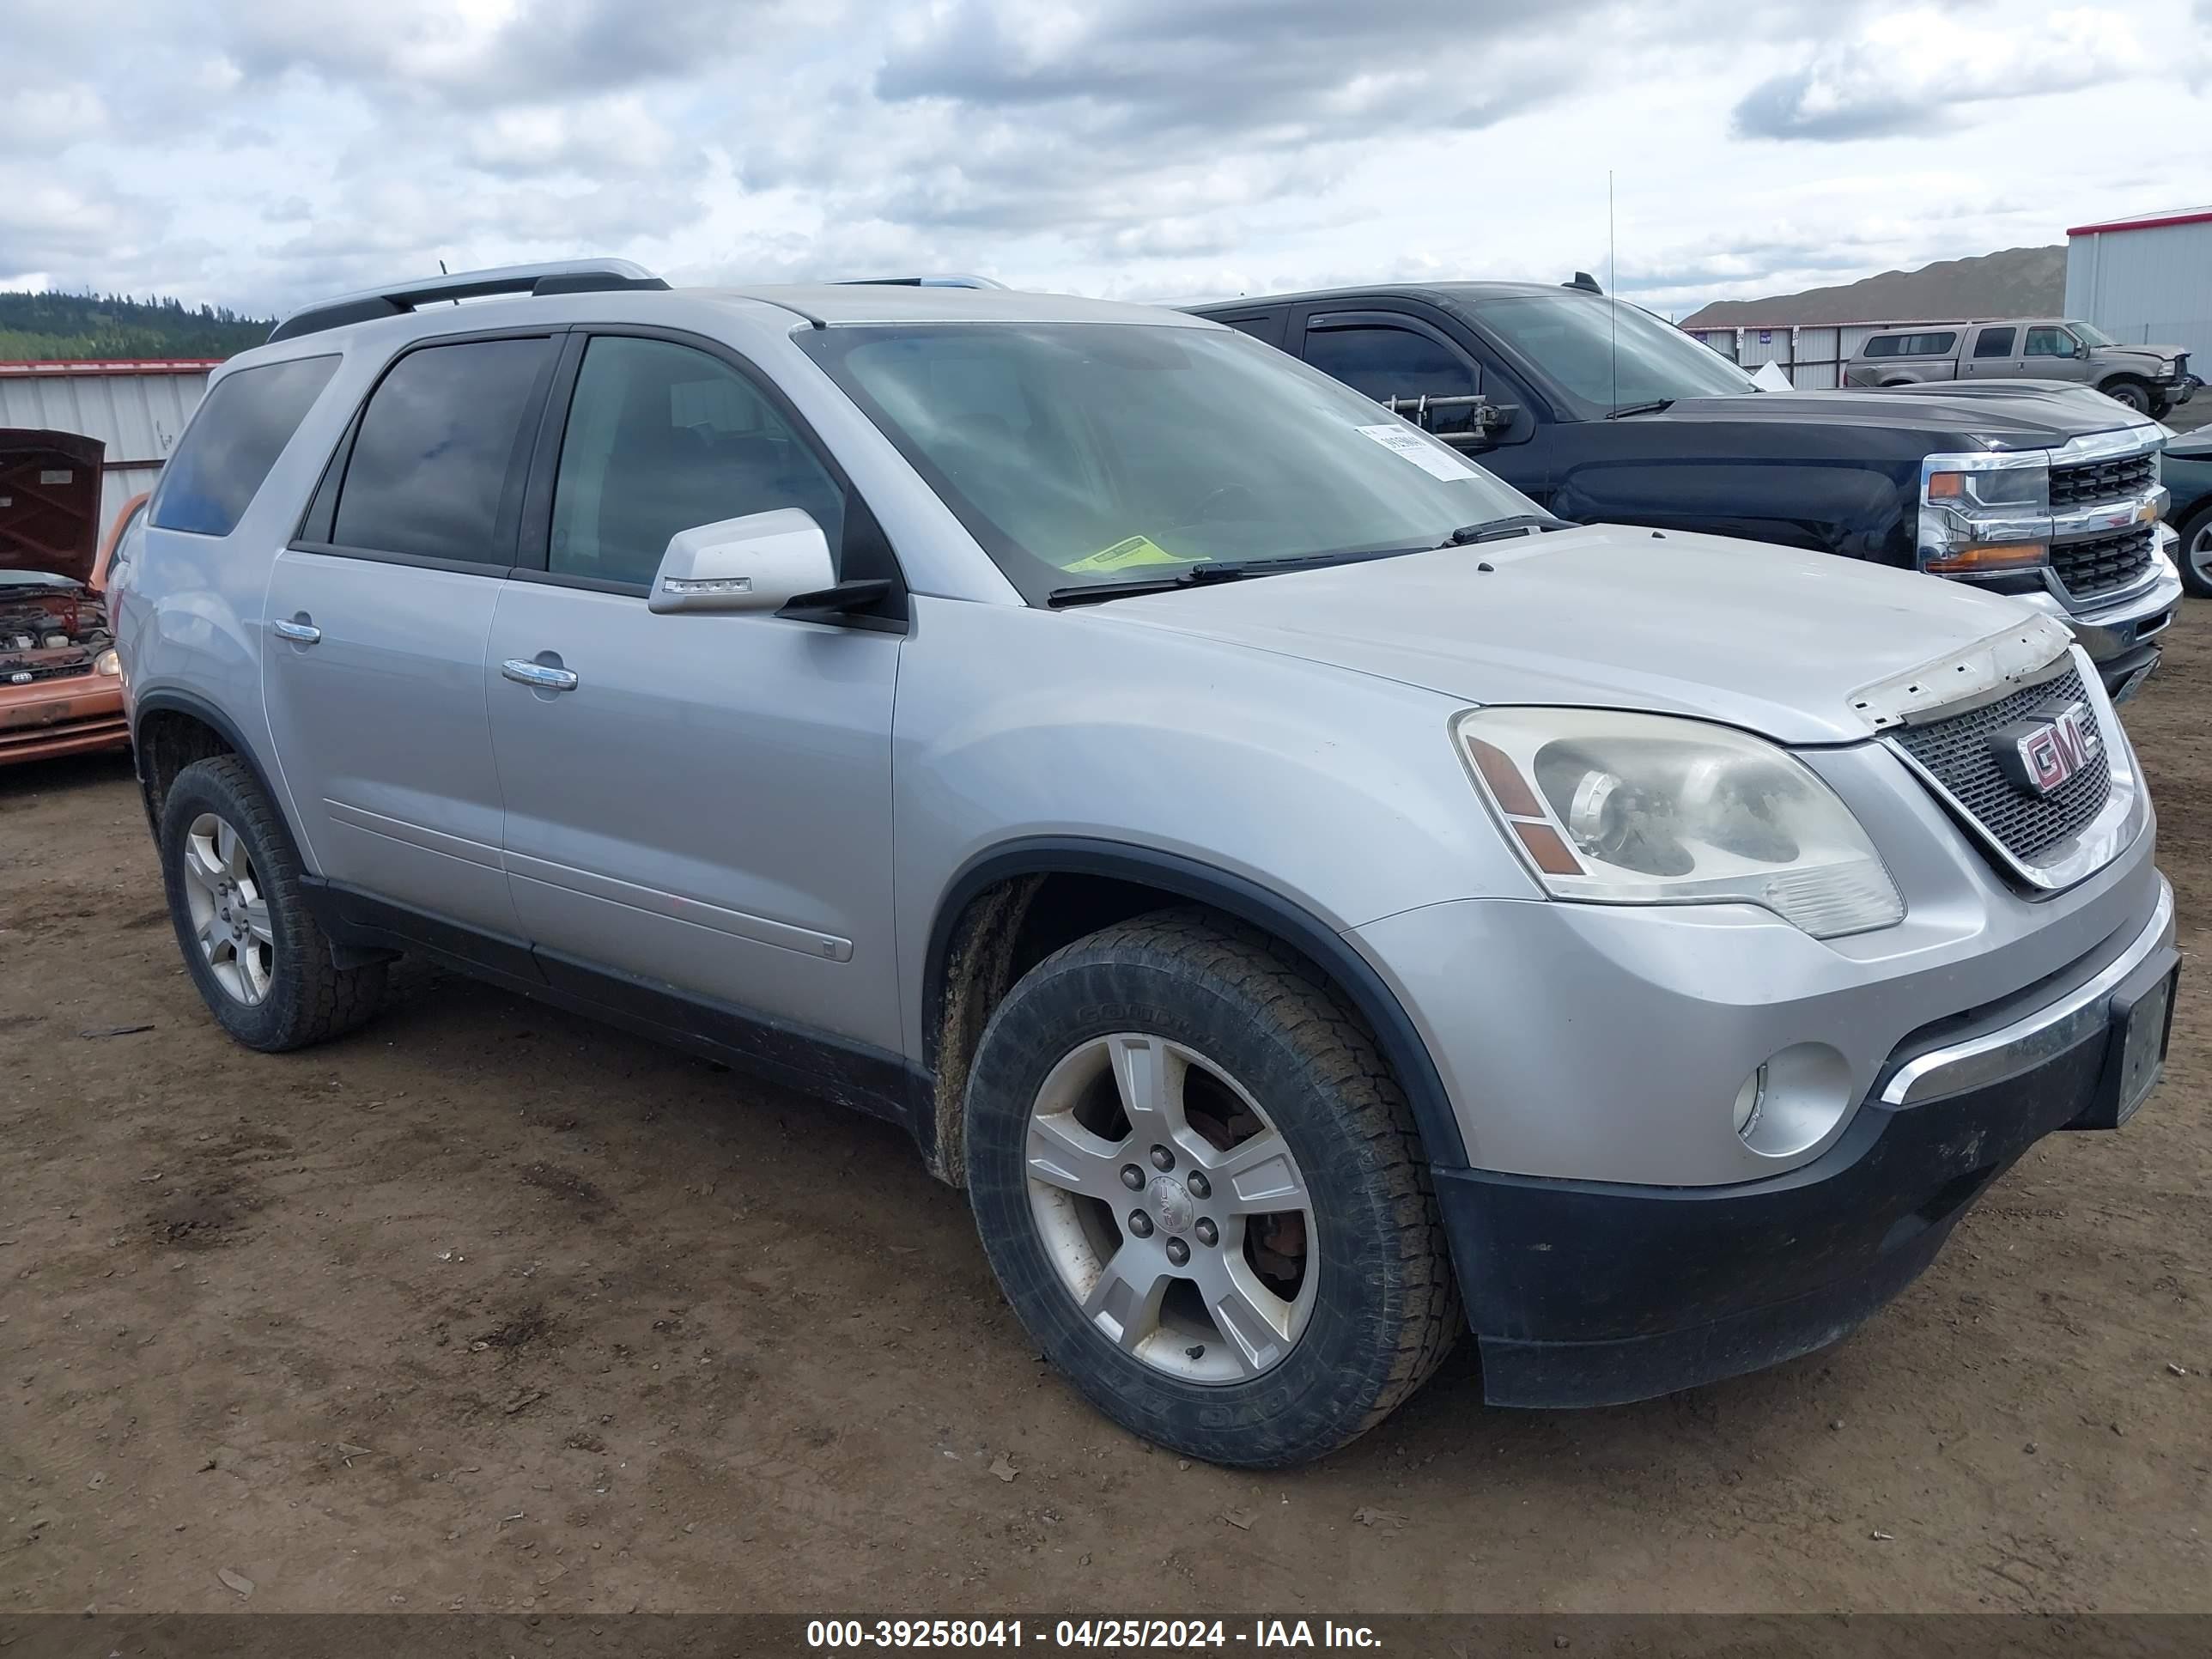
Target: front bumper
72, 716
1591, 1293
2118, 635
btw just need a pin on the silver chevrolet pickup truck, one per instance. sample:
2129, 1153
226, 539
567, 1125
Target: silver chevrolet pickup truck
1314, 902
2148, 379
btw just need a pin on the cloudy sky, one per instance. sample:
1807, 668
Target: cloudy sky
256, 153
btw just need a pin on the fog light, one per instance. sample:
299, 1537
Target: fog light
1749, 1100
1794, 1101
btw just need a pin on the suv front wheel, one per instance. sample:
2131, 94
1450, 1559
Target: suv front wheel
1202, 1191
262, 965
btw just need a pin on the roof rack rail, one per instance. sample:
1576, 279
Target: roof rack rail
555, 276
950, 279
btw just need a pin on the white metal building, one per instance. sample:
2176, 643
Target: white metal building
2146, 281
137, 408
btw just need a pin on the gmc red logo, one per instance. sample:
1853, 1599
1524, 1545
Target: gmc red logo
2052, 745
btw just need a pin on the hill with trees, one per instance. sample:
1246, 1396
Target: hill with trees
79, 325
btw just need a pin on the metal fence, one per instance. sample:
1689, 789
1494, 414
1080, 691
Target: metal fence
1812, 355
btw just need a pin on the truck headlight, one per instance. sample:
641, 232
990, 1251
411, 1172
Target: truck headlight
1985, 512
108, 663
1612, 808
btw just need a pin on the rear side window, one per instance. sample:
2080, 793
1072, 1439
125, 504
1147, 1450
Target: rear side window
1994, 342
233, 442
1912, 345
436, 464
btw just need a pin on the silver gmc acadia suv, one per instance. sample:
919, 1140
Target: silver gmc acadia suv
1309, 899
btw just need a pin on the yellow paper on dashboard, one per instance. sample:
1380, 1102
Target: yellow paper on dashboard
1137, 550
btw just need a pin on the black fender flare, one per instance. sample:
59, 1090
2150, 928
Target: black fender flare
1233, 895
168, 700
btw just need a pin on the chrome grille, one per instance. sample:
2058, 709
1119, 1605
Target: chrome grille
1956, 752
2101, 563
28, 672
2101, 481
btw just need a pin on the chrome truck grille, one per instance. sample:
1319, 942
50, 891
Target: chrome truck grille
2104, 563
2101, 481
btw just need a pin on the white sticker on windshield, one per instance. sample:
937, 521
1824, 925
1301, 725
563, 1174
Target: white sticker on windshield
1423, 453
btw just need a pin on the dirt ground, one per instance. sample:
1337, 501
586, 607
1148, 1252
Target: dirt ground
486, 1308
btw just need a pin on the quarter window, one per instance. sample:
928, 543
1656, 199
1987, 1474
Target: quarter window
233, 441
439, 451
663, 438
1397, 362
1995, 341
1912, 345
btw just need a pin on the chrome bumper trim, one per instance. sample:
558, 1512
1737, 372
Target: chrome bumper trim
2115, 625
2034, 1038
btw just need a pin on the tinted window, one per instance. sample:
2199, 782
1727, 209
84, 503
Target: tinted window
1607, 353
1912, 345
1397, 362
436, 451
662, 438
1995, 341
233, 442
2049, 343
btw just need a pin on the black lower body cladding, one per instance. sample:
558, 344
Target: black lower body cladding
1583, 1294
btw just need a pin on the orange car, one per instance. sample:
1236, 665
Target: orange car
60, 693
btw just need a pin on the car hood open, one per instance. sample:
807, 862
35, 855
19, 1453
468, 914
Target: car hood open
1785, 643
50, 502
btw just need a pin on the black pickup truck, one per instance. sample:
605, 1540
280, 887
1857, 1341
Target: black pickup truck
1601, 412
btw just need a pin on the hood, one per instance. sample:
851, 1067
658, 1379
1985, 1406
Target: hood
2130, 350
2191, 446
50, 502
2001, 415
1769, 639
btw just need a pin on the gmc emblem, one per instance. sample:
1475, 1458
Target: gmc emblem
2050, 746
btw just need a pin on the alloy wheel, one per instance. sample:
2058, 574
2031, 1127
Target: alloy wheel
2198, 552
1172, 1209
230, 912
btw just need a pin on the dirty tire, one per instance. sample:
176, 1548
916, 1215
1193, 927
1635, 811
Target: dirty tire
1386, 1307
310, 999
2195, 552
2133, 394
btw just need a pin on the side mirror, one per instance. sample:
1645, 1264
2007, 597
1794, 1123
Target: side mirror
2080, 347
758, 562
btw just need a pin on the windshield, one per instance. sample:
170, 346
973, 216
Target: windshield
1079, 453
2092, 333
1573, 338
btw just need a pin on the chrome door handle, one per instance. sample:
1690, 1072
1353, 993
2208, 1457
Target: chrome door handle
539, 675
298, 633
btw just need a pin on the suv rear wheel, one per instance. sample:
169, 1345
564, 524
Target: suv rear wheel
1202, 1191
262, 965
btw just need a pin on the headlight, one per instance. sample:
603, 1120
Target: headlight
1981, 513
1643, 809
108, 663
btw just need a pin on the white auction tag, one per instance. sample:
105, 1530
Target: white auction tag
1400, 441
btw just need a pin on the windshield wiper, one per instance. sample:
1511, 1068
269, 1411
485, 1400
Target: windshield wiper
1491, 530
1198, 575
1656, 406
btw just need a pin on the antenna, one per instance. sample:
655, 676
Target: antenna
1611, 289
